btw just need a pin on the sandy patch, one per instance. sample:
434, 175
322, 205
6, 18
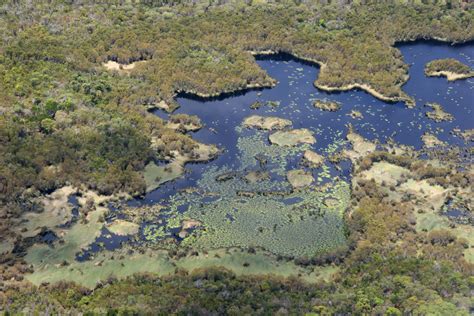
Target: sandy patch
266, 123
299, 178
292, 137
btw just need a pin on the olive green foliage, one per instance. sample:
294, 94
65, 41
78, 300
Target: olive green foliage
448, 64
51, 68
66, 118
392, 269
237, 213
103, 150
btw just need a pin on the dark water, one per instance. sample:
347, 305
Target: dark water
295, 93
73, 201
458, 213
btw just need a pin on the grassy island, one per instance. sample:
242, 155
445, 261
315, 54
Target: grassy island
450, 68
330, 106
79, 82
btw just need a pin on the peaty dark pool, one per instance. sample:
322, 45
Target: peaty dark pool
292, 98
295, 93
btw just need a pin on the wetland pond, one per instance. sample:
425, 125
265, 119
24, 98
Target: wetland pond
295, 94
244, 199
292, 99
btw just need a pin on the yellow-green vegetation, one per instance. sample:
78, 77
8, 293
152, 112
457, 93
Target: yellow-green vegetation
330, 106
360, 146
56, 211
357, 115
77, 81
101, 267
438, 114
467, 135
235, 211
266, 123
254, 263
292, 137
299, 178
184, 122
79, 236
155, 175
308, 228
307, 225
450, 68
312, 159
256, 176
257, 145
385, 172
68, 119
431, 140
122, 228
425, 186
398, 265
123, 263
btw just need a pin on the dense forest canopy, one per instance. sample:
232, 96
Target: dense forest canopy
53, 79
68, 119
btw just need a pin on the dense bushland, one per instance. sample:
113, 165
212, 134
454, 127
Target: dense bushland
66, 118
448, 64
392, 270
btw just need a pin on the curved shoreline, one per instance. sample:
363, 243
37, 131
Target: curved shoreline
167, 106
409, 102
171, 106
435, 39
225, 93
364, 87
450, 76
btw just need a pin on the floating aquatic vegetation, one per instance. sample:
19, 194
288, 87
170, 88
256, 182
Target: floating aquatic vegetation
256, 176
154, 232
269, 223
257, 146
244, 212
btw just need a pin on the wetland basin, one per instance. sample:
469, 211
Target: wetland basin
296, 93
242, 199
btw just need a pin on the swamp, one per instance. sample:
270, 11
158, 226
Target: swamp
289, 186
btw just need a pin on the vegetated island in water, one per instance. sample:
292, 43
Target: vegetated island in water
74, 127
450, 68
330, 106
